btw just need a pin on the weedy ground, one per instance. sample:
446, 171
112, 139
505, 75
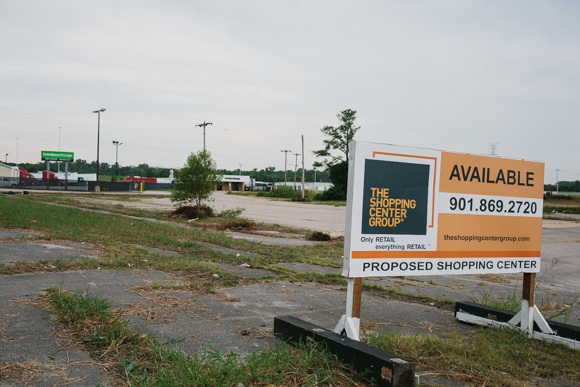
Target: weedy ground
483, 357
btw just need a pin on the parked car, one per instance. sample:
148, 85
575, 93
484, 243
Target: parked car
7, 183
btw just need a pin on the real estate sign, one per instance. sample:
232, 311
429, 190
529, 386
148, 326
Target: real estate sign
415, 211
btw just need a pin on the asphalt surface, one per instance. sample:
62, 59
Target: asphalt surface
240, 319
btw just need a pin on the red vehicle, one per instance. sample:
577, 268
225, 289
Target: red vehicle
138, 179
26, 178
52, 179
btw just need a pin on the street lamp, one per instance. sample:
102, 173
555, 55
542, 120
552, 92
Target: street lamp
58, 162
286, 164
295, 168
97, 187
117, 143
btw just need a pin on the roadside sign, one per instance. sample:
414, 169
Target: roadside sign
57, 155
414, 211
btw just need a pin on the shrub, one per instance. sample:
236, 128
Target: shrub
281, 192
318, 236
193, 212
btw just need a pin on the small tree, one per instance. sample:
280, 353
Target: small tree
196, 181
338, 140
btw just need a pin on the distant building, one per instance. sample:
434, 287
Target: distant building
235, 182
309, 186
68, 176
8, 171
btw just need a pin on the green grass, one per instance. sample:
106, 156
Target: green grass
122, 243
142, 361
486, 357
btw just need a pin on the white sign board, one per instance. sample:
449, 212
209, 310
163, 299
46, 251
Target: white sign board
413, 211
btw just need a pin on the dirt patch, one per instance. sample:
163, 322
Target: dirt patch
32, 371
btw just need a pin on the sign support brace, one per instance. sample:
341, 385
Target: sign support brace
349, 323
525, 318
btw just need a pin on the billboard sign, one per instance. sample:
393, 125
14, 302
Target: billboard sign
415, 211
57, 155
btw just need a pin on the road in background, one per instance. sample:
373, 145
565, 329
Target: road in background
316, 217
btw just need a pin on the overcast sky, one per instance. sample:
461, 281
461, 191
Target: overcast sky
449, 75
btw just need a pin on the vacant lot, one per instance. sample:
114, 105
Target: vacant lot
206, 286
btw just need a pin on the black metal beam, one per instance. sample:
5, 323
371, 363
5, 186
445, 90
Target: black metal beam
386, 369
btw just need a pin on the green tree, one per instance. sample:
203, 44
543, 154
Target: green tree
339, 138
337, 141
196, 181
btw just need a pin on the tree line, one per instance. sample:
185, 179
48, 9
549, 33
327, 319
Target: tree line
82, 166
563, 186
268, 174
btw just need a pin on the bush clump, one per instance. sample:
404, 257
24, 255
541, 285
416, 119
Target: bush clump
193, 212
319, 236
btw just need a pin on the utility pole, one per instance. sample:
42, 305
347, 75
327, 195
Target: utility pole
303, 187
557, 180
295, 169
58, 162
285, 165
116, 144
97, 186
203, 125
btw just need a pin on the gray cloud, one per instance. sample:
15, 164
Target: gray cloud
441, 74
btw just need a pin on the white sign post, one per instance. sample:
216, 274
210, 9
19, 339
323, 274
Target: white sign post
413, 211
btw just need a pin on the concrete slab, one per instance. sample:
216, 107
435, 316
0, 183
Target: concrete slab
238, 320
37, 251
15, 234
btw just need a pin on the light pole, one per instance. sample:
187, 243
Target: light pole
97, 187
58, 162
295, 168
285, 164
117, 143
